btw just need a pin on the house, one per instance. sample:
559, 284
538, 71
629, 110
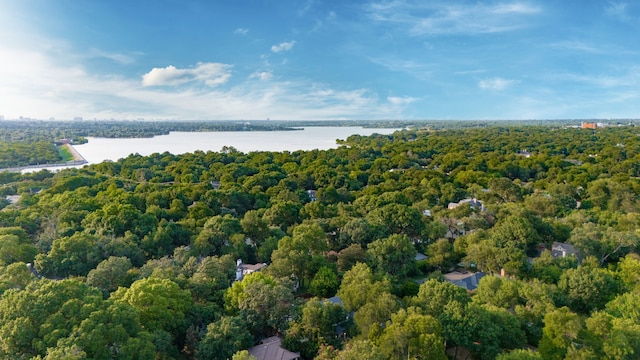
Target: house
524, 153
243, 270
271, 349
335, 300
312, 195
467, 280
13, 199
341, 331
559, 250
421, 256
473, 203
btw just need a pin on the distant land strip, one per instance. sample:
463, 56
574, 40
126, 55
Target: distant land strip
78, 159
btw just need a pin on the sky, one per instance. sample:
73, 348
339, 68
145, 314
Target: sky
314, 60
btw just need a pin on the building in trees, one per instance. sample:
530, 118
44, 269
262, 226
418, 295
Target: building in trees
271, 349
243, 270
466, 280
561, 250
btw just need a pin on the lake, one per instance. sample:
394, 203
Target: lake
100, 149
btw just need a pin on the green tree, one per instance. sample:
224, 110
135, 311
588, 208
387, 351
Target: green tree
411, 335
294, 253
223, 338
34, 319
505, 190
216, 233
519, 354
317, 326
15, 246
561, 328
266, 307
434, 295
110, 274
497, 291
236, 294
356, 349
376, 311
588, 288
113, 332
325, 283
349, 256
394, 255
243, 355
359, 286
15, 276
74, 255
161, 303
441, 255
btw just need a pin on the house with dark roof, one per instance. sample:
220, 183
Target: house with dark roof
467, 280
271, 349
561, 250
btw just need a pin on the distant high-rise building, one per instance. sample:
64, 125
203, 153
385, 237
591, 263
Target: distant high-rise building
1, 117
77, 118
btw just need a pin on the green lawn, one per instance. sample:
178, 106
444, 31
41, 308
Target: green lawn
65, 154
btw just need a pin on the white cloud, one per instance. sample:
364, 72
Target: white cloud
241, 31
495, 84
285, 46
618, 10
262, 75
575, 46
446, 18
419, 70
40, 85
396, 100
113, 56
211, 74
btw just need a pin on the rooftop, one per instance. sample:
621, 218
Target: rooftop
271, 349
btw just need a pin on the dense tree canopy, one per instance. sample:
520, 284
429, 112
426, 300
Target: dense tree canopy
138, 258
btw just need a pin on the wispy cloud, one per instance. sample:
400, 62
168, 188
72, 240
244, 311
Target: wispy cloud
306, 7
495, 84
241, 31
629, 77
113, 56
262, 75
618, 10
285, 46
575, 45
445, 18
414, 68
211, 74
398, 100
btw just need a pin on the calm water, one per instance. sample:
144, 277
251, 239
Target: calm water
100, 149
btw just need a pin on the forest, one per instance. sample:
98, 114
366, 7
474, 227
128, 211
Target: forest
141, 258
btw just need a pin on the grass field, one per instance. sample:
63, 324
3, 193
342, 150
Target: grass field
65, 154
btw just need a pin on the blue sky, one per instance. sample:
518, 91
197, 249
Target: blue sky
311, 59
